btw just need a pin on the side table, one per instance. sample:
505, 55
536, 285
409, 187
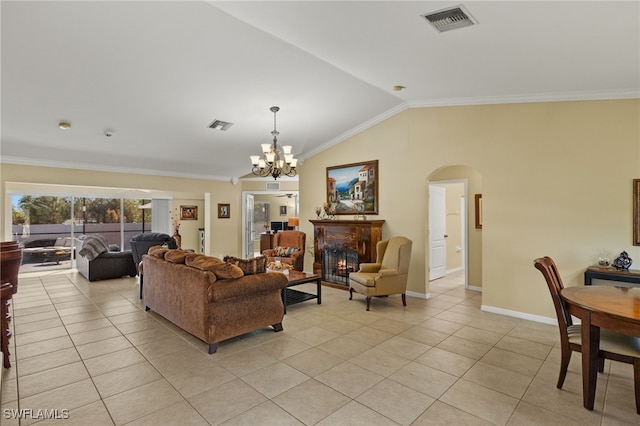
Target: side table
627, 276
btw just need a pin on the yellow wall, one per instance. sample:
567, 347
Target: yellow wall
555, 177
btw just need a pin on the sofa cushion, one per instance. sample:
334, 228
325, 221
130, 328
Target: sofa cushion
284, 251
222, 270
256, 265
157, 251
176, 256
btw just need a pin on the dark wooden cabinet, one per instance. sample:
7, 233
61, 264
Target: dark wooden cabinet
359, 235
266, 242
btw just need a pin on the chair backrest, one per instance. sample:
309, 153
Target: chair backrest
290, 239
549, 270
141, 243
397, 254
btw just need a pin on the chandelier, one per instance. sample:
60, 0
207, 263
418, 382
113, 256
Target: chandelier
278, 160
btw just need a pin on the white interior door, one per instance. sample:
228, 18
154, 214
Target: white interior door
437, 230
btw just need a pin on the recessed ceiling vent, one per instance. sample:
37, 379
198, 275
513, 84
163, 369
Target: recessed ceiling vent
220, 125
450, 19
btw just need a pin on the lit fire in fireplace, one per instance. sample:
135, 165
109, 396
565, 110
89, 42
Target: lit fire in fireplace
343, 269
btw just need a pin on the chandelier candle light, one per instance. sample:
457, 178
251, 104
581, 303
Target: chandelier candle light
277, 160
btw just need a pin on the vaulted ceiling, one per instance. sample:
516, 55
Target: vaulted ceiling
158, 73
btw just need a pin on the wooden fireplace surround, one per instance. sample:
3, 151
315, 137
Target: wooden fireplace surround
359, 235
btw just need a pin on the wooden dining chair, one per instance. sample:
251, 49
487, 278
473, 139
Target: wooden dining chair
613, 346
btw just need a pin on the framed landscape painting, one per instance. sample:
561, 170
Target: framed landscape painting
353, 188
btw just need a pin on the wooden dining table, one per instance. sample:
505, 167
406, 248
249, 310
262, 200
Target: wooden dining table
614, 308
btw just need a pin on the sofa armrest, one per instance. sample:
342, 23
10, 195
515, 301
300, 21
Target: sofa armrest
387, 272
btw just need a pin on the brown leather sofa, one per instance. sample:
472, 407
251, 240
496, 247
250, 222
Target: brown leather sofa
182, 287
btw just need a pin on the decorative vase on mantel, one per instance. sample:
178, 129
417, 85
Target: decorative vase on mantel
176, 236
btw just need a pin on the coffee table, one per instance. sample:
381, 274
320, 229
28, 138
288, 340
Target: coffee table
291, 296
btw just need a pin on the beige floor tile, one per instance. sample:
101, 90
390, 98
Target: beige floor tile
162, 347
42, 347
103, 347
512, 361
369, 335
128, 317
446, 361
195, 380
226, 401
94, 414
424, 335
499, 379
379, 361
464, 347
180, 413
344, 347
478, 335
80, 327
43, 324
266, 413
283, 347
67, 397
123, 379
527, 414
311, 401
141, 401
149, 335
274, 379
524, 347
37, 336
177, 362
48, 361
81, 317
314, 335
349, 379
403, 347
422, 378
441, 325
51, 379
441, 414
355, 413
395, 401
313, 361
84, 337
482, 402
245, 362
113, 361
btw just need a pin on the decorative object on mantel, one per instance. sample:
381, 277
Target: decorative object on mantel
350, 184
326, 212
623, 261
277, 160
360, 206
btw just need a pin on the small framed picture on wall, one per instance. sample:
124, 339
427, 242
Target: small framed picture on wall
224, 211
283, 210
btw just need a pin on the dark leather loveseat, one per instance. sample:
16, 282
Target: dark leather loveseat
107, 265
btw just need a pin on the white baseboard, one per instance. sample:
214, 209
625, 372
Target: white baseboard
521, 315
474, 288
418, 295
451, 271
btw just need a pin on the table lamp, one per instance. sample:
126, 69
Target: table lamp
294, 221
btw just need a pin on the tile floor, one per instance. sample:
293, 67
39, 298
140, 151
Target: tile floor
90, 351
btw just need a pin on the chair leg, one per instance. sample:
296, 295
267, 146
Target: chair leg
350, 293
404, 299
601, 365
564, 366
636, 382
368, 302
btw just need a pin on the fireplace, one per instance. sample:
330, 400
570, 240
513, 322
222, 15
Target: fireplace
338, 263
343, 245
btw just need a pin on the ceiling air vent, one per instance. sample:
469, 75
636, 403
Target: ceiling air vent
220, 125
273, 186
450, 19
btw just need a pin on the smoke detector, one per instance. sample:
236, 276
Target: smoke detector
450, 18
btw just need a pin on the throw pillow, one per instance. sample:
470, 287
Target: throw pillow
221, 270
284, 251
256, 265
157, 251
176, 256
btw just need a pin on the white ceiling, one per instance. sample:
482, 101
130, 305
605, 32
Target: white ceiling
158, 73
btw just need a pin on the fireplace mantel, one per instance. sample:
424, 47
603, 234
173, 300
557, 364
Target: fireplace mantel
359, 235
